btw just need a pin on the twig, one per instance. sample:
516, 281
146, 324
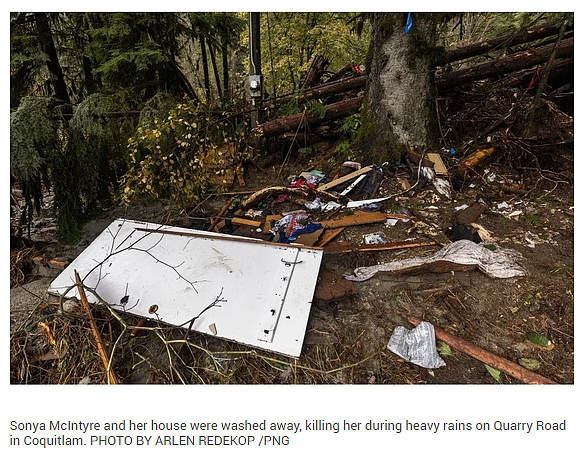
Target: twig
112, 379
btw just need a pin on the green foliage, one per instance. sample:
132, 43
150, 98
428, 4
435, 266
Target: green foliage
180, 156
98, 142
444, 349
495, 373
33, 138
294, 39
317, 109
532, 219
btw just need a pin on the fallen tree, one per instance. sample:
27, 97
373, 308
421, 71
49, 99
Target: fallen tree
334, 111
494, 68
482, 47
328, 89
504, 65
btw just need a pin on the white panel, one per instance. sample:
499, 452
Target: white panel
266, 288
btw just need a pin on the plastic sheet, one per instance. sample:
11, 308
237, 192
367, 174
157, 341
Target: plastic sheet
501, 263
417, 345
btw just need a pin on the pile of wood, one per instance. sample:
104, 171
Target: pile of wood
446, 78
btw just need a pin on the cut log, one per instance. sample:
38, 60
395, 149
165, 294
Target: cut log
318, 66
491, 359
334, 111
472, 163
521, 36
504, 65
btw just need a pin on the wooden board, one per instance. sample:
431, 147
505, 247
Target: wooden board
248, 222
357, 218
439, 166
341, 180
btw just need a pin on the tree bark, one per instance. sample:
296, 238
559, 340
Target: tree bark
400, 93
48, 47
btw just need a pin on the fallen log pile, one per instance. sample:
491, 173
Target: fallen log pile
446, 81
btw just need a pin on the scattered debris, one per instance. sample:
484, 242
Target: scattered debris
459, 232
290, 227
438, 164
318, 206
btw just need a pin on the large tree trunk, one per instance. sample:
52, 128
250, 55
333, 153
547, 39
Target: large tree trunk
48, 47
400, 94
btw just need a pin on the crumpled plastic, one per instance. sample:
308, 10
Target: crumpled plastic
417, 345
501, 263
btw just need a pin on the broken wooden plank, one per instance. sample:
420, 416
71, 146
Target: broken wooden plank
309, 239
247, 222
241, 180
318, 67
342, 247
357, 218
329, 235
348, 177
438, 164
491, 359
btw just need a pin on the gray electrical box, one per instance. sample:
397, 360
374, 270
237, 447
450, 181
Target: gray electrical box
255, 85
